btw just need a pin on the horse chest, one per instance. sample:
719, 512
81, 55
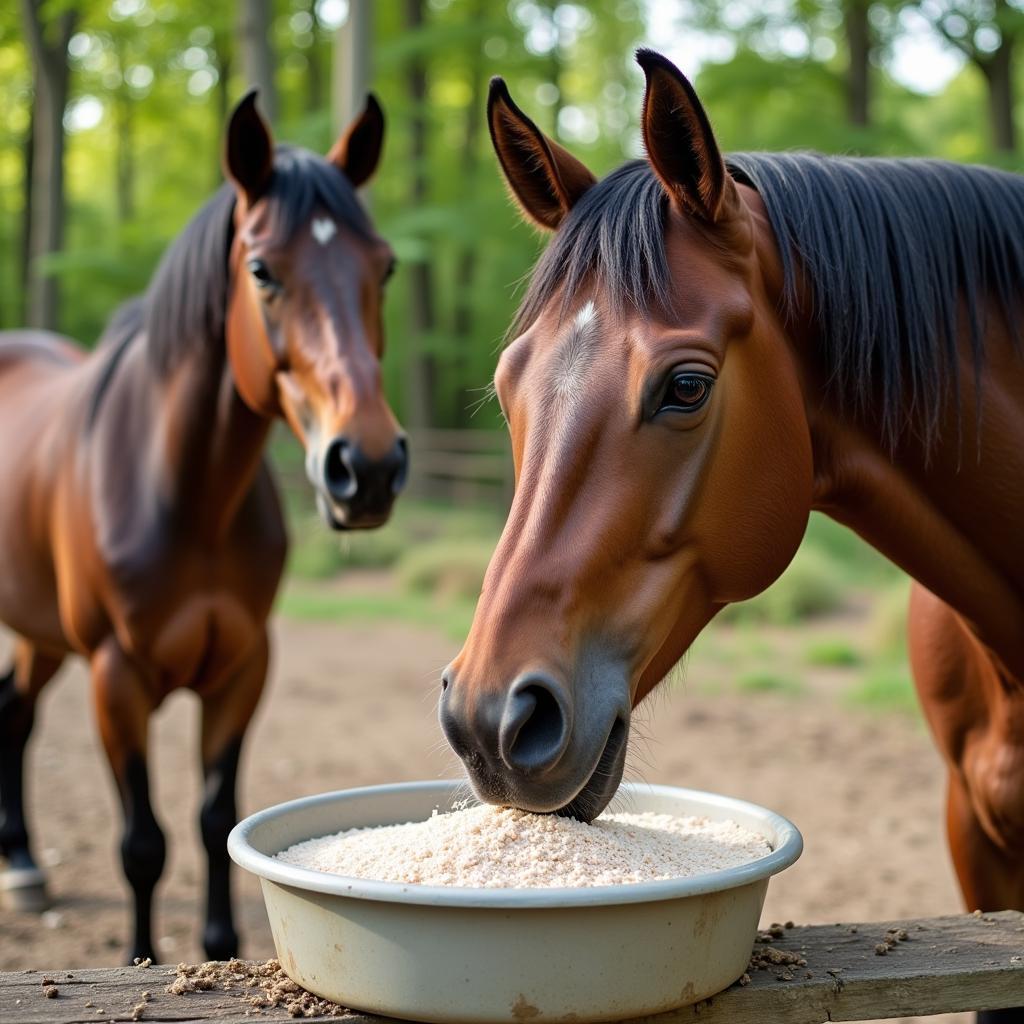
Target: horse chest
204, 640
189, 617
195, 639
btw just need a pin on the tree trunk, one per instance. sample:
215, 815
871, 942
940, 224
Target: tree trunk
26, 221
222, 54
858, 77
125, 160
315, 74
350, 69
465, 264
48, 45
555, 68
998, 72
255, 21
422, 376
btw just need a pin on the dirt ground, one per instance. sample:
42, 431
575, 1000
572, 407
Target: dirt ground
350, 705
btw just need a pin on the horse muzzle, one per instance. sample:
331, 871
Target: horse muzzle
539, 745
355, 491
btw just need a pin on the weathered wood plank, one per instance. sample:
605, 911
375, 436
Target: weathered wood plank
945, 965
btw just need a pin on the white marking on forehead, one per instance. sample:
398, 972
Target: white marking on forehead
573, 354
324, 229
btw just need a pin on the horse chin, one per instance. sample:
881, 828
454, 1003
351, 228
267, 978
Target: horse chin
598, 790
340, 519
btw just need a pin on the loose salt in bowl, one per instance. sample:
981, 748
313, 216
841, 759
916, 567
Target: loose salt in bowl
503, 848
624, 928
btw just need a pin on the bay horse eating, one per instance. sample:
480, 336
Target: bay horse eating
709, 349
139, 524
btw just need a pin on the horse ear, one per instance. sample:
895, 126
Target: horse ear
545, 179
680, 144
357, 152
249, 151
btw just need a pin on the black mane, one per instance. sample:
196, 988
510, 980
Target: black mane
185, 306
888, 249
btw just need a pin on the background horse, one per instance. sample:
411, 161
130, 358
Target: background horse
139, 525
707, 351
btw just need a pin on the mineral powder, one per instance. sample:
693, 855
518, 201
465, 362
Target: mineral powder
500, 847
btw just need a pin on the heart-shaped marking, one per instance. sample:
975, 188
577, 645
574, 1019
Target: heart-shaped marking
324, 229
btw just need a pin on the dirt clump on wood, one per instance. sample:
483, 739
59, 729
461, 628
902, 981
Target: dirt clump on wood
781, 962
260, 985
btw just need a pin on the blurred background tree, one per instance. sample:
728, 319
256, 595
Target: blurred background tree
114, 111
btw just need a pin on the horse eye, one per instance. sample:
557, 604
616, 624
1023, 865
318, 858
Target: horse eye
261, 274
686, 391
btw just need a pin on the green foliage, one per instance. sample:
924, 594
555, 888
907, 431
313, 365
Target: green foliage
760, 681
832, 653
886, 689
888, 626
152, 83
858, 562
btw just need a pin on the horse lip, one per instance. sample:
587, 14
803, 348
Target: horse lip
326, 508
591, 797
596, 793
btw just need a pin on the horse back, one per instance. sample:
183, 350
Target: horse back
46, 348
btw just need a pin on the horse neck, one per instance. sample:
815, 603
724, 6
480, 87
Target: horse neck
207, 443
949, 514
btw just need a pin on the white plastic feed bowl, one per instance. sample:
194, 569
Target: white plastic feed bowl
432, 953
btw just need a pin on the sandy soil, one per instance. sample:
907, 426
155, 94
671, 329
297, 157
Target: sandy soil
349, 705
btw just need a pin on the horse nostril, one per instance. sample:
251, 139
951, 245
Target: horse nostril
535, 726
401, 465
339, 471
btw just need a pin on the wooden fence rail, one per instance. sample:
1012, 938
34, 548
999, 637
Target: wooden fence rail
935, 965
466, 467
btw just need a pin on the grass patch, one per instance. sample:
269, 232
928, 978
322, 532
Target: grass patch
317, 553
446, 568
886, 689
453, 618
768, 682
856, 561
812, 586
832, 653
888, 624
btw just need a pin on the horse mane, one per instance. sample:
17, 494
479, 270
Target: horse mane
888, 249
185, 306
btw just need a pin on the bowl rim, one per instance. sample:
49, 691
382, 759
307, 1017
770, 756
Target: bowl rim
787, 847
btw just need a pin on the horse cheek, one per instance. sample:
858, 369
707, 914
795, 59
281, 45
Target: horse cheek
253, 365
761, 487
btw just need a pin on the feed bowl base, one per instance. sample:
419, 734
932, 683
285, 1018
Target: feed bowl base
525, 964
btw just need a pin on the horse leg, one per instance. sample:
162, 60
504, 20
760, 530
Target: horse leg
123, 706
978, 723
991, 877
226, 715
22, 884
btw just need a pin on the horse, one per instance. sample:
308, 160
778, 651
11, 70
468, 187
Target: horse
708, 349
139, 523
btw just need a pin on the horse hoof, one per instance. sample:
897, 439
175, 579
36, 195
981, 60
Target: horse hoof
220, 941
24, 890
